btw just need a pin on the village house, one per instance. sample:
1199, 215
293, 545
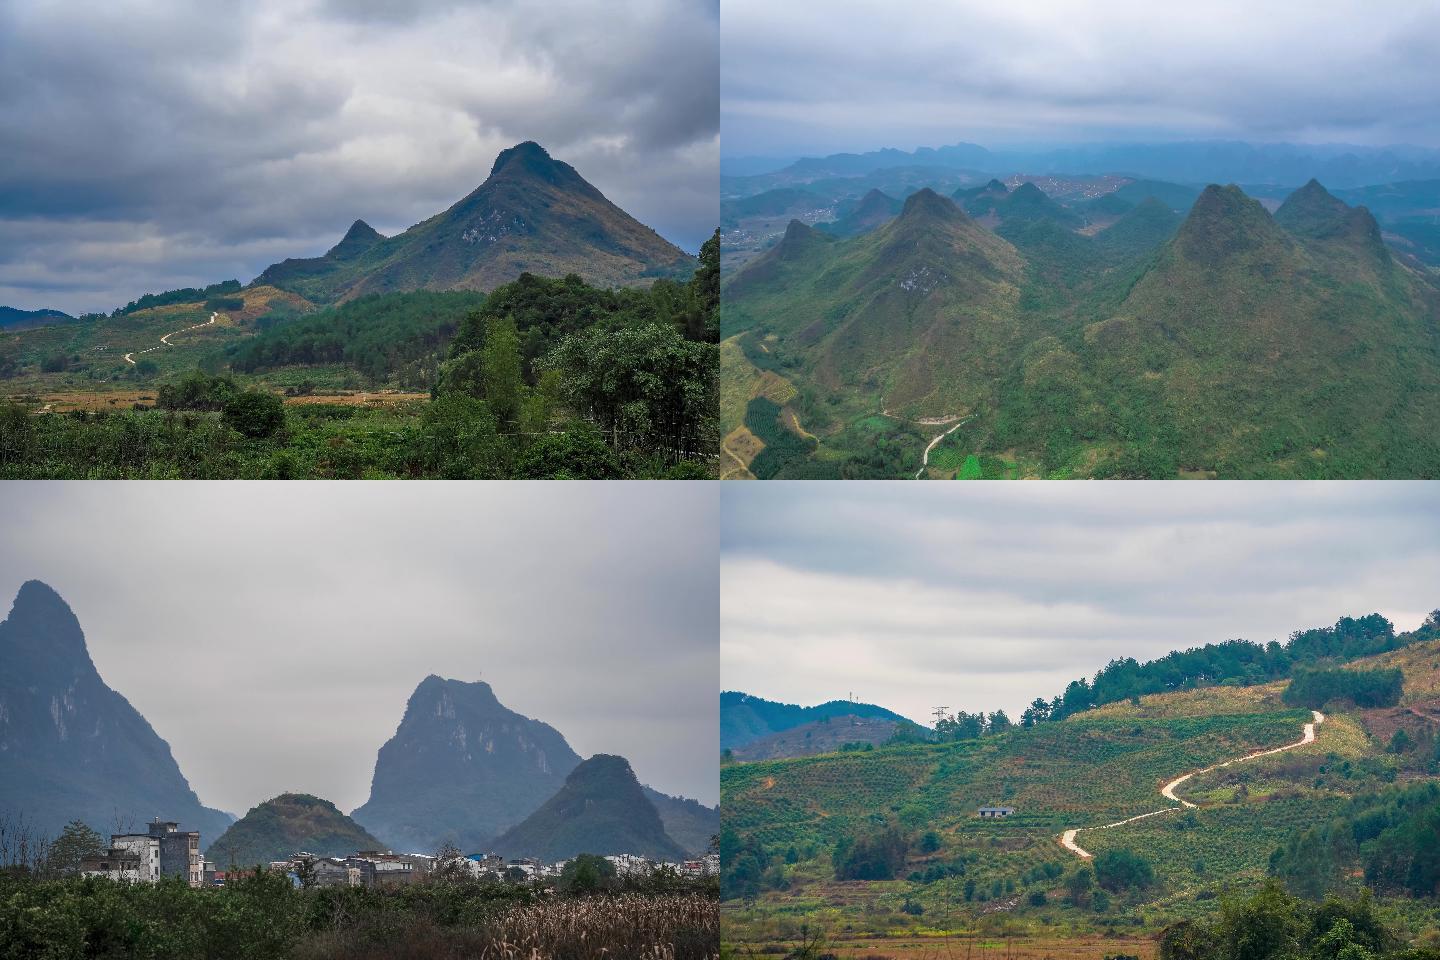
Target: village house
164, 850
990, 813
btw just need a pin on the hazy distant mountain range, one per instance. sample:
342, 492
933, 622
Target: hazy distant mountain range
1340, 165
745, 718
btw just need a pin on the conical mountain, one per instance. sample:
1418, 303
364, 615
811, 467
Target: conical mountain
358, 239
460, 769
71, 747
1029, 202
532, 214
978, 201
601, 809
285, 825
881, 316
1313, 213
874, 209
1240, 334
1225, 226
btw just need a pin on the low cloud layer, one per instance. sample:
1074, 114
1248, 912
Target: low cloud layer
291, 623
817, 78
167, 143
985, 596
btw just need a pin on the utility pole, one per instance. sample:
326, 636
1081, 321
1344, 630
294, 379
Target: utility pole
939, 715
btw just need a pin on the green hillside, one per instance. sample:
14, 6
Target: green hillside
533, 214
888, 841
288, 824
1231, 343
600, 809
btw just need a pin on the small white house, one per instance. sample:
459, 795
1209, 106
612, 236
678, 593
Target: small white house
994, 813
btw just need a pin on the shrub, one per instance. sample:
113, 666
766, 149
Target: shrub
255, 414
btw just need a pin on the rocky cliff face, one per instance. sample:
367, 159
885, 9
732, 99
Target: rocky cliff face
71, 747
460, 769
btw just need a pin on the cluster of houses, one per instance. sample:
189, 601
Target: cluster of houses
164, 850
375, 868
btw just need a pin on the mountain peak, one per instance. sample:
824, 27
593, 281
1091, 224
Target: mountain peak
1225, 222
460, 768
601, 809
527, 159
359, 238
928, 203
995, 186
43, 622
1315, 213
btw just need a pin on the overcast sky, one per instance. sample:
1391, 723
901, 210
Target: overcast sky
150, 144
982, 596
294, 620
806, 77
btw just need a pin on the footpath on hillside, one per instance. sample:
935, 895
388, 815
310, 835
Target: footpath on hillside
165, 340
1067, 839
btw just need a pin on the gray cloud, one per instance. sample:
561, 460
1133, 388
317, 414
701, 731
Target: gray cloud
234, 134
861, 74
986, 596
295, 620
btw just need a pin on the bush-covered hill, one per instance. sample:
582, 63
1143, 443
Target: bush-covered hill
286, 825
601, 809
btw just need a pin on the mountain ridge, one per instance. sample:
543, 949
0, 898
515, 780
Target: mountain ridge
532, 214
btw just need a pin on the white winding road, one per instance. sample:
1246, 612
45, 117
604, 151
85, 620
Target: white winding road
130, 357
1067, 839
925, 460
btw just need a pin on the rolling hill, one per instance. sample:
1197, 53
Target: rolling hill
866, 833
13, 318
745, 719
533, 214
286, 825
1075, 341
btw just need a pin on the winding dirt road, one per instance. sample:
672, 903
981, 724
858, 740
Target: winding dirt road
130, 357
925, 460
1067, 839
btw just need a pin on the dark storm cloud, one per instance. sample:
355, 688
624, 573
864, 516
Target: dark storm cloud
293, 622
211, 139
862, 74
988, 596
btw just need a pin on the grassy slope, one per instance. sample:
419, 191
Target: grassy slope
1091, 769
100, 345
